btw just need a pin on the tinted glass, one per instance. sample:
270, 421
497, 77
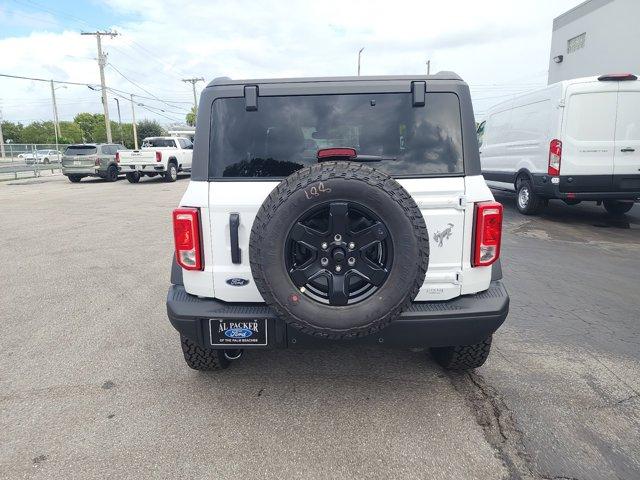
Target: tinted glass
285, 133
158, 142
81, 150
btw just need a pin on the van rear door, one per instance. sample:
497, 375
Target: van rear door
588, 137
626, 160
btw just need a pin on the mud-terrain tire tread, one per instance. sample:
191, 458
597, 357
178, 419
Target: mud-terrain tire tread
323, 172
203, 359
463, 357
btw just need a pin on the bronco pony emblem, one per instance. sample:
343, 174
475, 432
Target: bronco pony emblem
443, 235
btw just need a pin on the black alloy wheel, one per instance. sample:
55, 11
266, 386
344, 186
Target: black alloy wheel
339, 253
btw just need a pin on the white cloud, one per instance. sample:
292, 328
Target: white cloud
485, 42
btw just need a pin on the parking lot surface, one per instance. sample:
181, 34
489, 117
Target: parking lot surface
92, 383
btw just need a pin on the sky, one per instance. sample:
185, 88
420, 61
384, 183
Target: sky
499, 47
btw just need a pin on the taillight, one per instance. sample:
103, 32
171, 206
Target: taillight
158, 156
555, 156
97, 162
186, 233
488, 233
117, 157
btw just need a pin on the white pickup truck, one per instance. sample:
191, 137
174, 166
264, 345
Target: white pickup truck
164, 156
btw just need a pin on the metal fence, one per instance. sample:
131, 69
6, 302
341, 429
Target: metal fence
20, 160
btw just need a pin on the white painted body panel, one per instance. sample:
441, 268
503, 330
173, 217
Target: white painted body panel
593, 119
445, 203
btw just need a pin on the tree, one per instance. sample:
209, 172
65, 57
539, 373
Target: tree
88, 123
149, 128
12, 131
191, 117
38, 132
70, 132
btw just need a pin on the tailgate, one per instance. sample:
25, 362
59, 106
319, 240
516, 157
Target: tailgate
138, 157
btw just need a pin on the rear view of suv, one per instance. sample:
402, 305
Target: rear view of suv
337, 210
576, 140
91, 160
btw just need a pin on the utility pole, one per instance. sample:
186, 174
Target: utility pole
119, 119
135, 129
193, 82
428, 67
56, 122
359, 55
102, 60
1, 137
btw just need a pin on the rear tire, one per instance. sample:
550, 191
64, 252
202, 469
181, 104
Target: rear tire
133, 177
203, 359
616, 207
527, 202
462, 357
172, 173
112, 174
74, 178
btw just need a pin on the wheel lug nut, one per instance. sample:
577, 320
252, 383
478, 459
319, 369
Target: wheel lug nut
338, 237
338, 268
324, 245
352, 245
351, 261
324, 261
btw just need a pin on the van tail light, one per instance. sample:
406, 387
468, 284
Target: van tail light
186, 233
117, 157
488, 233
158, 156
555, 156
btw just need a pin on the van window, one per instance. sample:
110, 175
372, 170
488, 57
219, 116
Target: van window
628, 123
591, 116
285, 133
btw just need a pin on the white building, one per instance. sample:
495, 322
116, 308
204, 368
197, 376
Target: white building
596, 37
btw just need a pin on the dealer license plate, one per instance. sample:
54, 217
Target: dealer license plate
224, 332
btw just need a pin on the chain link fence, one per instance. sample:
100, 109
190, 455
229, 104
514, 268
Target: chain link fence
21, 160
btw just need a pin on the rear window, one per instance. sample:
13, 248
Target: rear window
285, 133
158, 143
81, 150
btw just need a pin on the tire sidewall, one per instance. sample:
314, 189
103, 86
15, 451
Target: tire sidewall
348, 320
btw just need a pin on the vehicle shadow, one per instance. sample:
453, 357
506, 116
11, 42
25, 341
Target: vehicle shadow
586, 214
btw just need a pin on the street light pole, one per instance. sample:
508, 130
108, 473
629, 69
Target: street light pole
359, 55
1, 137
135, 129
119, 119
428, 67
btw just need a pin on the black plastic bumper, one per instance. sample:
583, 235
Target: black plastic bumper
588, 187
464, 320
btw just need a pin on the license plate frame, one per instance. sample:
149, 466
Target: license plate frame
234, 333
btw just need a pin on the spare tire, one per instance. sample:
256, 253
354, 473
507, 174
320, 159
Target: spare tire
339, 249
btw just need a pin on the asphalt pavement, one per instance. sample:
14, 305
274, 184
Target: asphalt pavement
92, 383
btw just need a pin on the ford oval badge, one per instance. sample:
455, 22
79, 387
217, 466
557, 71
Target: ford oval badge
237, 282
238, 333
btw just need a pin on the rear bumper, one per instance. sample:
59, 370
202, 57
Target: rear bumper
88, 171
464, 320
588, 187
142, 167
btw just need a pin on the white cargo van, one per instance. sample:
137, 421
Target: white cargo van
574, 140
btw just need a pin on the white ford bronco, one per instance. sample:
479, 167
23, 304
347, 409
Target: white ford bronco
345, 210
164, 156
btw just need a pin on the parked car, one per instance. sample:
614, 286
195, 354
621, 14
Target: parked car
91, 160
386, 234
576, 140
41, 156
164, 156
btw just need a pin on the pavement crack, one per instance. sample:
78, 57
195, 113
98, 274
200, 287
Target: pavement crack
499, 426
